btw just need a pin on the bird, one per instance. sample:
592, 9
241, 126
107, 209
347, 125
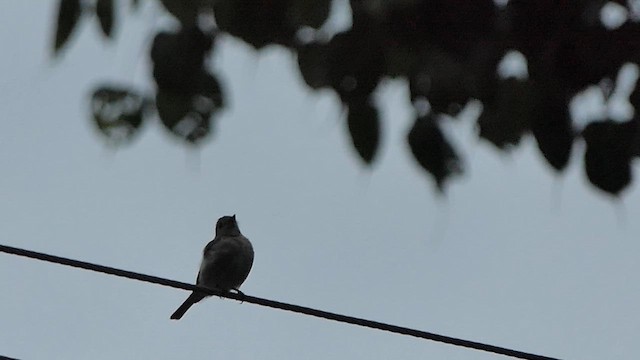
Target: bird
226, 263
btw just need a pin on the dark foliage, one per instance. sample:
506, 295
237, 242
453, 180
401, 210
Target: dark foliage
188, 95
104, 11
609, 152
364, 127
432, 150
117, 113
68, 14
447, 50
551, 127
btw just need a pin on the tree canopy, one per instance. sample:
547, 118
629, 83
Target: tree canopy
448, 51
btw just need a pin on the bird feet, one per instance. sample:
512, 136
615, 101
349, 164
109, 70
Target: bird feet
237, 291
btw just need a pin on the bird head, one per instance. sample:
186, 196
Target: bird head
227, 225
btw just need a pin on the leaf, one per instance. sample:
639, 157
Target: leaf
552, 130
117, 112
442, 79
257, 22
178, 59
69, 12
364, 126
432, 151
185, 11
312, 62
312, 13
188, 116
585, 57
105, 13
508, 116
356, 61
181, 117
209, 87
610, 148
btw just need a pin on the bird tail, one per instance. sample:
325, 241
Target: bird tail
192, 299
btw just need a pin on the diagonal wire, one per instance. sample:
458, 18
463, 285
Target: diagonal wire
274, 304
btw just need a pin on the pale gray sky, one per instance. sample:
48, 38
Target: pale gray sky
513, 256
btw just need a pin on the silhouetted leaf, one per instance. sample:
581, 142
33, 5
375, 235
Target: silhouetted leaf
537, 23
178, 59
453, 26
312, 61
210, 88
69, 12
189, 116
364, 127
552, 130
312, 13
257, 22
610, 147
182, 117
442, 80
635, 143
105, 13
634, 99
117, 113
185, 11
585, 57
507, 117
356, 61
432, 150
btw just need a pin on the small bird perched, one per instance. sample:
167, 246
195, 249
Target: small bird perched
226, 262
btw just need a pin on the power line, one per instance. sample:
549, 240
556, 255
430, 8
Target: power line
274, 304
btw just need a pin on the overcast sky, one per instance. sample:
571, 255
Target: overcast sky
514, 255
